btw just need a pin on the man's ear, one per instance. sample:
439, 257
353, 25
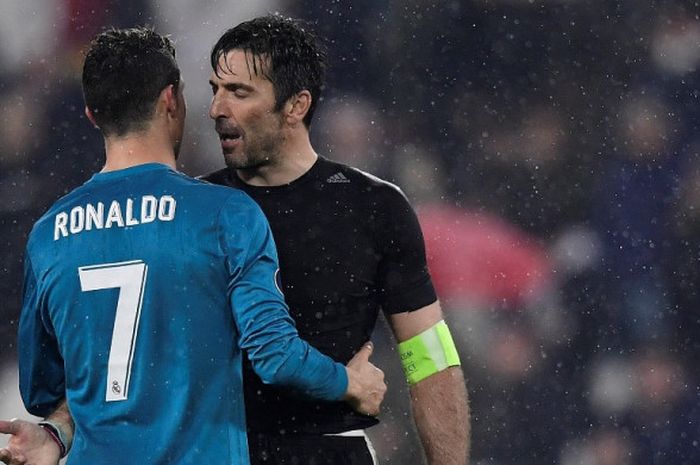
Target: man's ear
297, 107
91, 117
169, 96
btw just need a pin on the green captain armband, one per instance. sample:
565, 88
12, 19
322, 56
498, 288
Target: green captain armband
427, 353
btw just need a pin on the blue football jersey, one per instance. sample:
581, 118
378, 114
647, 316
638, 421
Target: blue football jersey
141, 289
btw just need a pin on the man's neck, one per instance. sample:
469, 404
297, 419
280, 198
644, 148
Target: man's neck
137, 149
292, 163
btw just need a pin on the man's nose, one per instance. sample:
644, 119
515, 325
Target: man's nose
216, 109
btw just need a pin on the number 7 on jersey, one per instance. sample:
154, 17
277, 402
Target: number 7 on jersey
130, 278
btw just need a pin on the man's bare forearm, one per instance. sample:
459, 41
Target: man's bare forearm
441, 412
62, 417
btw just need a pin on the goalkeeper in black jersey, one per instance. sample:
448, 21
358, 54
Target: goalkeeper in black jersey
349, 246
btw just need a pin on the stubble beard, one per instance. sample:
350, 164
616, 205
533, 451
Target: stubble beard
246, 160
257, 153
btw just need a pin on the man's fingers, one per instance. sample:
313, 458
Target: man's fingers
373, 410
365, 352
6, 457
9, 427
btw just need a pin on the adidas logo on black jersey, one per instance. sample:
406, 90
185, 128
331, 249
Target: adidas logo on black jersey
337, 177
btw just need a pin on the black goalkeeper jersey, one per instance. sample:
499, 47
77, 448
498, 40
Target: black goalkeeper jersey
349, 244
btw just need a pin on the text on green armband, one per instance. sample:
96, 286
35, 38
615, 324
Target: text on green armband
428, 353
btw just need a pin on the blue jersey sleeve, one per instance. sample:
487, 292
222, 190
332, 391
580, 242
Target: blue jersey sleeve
266, 330
41, 375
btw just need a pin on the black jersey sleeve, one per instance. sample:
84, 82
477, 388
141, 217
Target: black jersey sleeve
403, 271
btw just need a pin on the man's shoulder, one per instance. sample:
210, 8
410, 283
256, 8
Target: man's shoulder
221, 182
61, 204
220, 177
380, 199
339, 173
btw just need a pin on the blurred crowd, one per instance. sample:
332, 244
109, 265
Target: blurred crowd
549, 146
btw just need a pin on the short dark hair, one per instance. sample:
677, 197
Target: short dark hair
124, 72
284, 51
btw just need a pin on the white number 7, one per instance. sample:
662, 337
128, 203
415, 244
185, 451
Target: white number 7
130, 278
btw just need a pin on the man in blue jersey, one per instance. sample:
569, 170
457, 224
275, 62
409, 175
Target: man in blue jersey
143, 287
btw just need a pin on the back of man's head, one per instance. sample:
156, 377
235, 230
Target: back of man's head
282, 50
124, 72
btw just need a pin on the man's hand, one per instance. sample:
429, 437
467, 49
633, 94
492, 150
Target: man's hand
366, 386
29, 444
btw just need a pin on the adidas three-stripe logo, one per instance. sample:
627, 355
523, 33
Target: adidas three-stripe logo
337, 177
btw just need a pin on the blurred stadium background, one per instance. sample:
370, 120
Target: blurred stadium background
550, 147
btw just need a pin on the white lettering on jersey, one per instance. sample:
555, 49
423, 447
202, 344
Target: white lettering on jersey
120, 215
149, 209
130, 220
60, 226
77, 220
94, 216
114, 216
166, 208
